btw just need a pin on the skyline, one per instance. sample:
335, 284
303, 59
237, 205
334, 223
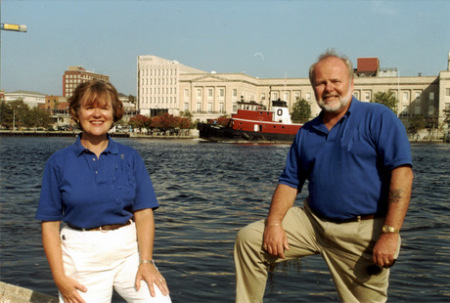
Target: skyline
265, 39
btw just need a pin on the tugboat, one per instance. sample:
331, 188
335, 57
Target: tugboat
253, 123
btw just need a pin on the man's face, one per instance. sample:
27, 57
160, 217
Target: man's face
332, 85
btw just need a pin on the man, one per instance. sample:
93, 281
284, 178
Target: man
357, 160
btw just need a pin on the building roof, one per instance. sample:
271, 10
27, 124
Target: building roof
368, 65
24, 92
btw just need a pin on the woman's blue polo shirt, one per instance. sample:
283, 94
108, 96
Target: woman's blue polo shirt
349, 167
87, 191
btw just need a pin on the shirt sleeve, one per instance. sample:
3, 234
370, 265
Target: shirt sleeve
50, 204
392, 141
292, 174
145, 193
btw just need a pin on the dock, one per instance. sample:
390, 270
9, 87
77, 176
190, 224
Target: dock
15, 294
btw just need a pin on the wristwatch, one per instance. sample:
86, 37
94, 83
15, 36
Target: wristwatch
387, 229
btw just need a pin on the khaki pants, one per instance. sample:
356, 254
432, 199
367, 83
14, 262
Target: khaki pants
345, 247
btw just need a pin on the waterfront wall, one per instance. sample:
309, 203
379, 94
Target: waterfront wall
15, 294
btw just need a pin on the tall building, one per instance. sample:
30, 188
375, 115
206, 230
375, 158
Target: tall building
76, 75
158, 84
168, 86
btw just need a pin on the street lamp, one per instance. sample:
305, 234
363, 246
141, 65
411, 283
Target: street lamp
9, 27
14, 27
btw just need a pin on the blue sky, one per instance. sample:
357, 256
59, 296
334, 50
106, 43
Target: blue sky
266, 39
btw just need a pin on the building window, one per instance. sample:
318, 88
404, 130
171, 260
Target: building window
235, 107
417, 98
199, 107
210, 107
367, 96
431, 110
405, 111
356, 94
199, 93
308, 96
447, 92
221, 93
431, 96
234, 92
186, 106
405, 98
210, 93
417, 110
221, 107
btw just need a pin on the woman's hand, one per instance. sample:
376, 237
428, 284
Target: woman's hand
150, 274
69, 288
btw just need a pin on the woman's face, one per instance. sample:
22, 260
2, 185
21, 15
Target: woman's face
97, 117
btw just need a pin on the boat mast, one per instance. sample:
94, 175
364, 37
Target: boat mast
269, 108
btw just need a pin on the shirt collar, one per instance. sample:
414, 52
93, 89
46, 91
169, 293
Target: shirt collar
318, 123
79, 149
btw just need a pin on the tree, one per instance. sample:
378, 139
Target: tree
416, 123
301, 112
132, 99
446, 117
386, 98
13, 113
37, 117
140, 122
223, 120
187, 115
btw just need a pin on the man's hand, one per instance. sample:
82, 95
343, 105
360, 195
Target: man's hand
275, 240
385, 249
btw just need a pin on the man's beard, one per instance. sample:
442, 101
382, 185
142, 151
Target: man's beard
334, 106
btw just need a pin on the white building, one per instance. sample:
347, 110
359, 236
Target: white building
158, 84
32, 99
168, 86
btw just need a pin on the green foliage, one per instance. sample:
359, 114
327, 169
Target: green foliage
386, 98
446, 116
132, 99
17, 114
37, 117
301, 112
416, 123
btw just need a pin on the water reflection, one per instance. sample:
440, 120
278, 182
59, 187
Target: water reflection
207, 192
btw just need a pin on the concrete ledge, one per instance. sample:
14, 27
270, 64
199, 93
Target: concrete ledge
15, 294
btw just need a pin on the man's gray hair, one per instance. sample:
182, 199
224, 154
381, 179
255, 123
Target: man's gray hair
328, 54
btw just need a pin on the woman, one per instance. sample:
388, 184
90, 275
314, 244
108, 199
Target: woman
102, 191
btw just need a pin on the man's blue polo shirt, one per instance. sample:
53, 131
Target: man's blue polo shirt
348, 168
87, 191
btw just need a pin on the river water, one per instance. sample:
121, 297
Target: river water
207, 192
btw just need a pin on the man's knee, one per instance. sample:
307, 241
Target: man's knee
251, 234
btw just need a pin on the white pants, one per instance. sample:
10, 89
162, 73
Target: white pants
102, 261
